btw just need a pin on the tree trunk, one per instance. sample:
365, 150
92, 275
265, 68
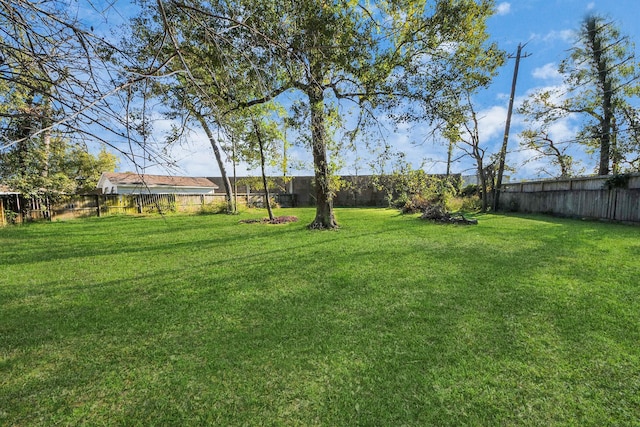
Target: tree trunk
483, 186
607, 105
605, 138
216, 152
46, 137
235, 178
324, 198
482, 177
615, 152
449, 155
264, 175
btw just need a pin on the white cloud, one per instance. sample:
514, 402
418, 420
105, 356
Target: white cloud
566, 36
558, 93
503, 8
526, 167
563, 36
491, 122
563, 130
591, 5
547, 72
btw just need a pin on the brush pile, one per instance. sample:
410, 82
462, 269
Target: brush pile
438, 213
275, 220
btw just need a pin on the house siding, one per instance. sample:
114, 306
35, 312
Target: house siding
129, 183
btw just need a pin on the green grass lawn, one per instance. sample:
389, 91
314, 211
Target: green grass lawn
390, 321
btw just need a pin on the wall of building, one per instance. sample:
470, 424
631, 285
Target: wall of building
357, 190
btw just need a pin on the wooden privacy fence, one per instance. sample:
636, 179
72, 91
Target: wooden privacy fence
612, 198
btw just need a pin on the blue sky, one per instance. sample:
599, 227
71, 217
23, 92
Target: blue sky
546, 26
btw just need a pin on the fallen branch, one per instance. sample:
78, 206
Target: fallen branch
437, 213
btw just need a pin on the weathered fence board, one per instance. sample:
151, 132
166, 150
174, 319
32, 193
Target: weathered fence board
3, 220
588, 197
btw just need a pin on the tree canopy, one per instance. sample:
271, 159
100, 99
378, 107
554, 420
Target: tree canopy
601, 79
393, 58
54, 169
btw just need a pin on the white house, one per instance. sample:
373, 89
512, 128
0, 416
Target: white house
133, 183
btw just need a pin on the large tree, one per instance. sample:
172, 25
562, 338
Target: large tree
600, 81
58, 80
549, 151
52, 165
462, 130
377, 55
41, 90
189, 47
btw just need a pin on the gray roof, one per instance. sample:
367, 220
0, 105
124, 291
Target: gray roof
128, 178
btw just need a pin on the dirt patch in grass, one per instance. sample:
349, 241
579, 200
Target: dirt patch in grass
276, 220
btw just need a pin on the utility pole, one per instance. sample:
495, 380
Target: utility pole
503, 150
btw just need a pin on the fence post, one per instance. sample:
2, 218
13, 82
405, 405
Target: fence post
21, 213
47, 205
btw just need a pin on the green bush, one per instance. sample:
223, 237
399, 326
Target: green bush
400, 202
618, 181
10, 216
471, 204
470, 190
419, 191
217, 207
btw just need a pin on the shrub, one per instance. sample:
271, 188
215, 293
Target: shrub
217, 207
471, 204
470, 190
618, 181
455, 203
11, 216
400, 202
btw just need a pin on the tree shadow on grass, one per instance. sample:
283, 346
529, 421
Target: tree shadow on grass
392, 332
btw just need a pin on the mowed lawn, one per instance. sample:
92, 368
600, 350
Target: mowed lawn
390, 321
